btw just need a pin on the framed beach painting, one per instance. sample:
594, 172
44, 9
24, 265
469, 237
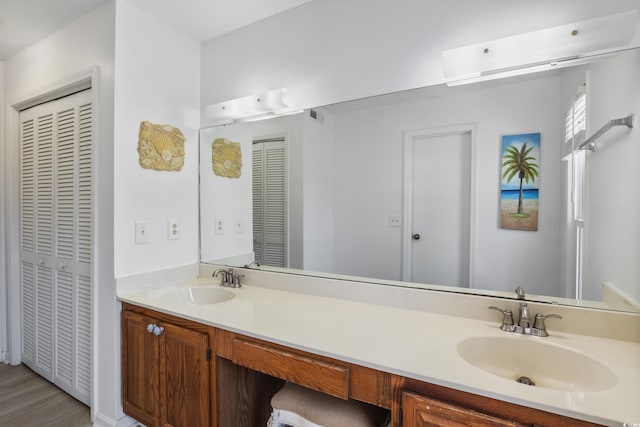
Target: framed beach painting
519, 181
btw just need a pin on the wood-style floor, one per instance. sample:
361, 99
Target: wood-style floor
28, 400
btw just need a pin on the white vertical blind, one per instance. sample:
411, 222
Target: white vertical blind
269, 202
56, 241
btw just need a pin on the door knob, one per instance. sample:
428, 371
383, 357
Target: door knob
416, 236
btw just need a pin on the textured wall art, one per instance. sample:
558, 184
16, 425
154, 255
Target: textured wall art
161, 147
227, 158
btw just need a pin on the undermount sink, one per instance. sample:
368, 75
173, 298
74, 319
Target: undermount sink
525, 358
204, 295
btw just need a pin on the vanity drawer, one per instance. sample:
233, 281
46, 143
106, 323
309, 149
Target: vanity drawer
316, 374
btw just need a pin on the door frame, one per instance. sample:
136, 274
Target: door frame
88, 78
410, 137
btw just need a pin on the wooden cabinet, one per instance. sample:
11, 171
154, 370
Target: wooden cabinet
417, 404
165, 372
140, 369
423, 411
170, 380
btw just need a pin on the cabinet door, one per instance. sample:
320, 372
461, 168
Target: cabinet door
422, 411
140, 369
184, 377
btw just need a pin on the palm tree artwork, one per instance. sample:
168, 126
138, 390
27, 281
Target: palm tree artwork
520, 172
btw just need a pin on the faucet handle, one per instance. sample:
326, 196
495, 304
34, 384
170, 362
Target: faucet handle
507, 318
539, 325
520, 292
225, 277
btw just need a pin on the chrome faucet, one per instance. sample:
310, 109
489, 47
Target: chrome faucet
524, 315
229, 278
255, 264
524, 326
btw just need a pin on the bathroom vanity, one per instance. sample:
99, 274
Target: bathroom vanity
185, 362
192, 374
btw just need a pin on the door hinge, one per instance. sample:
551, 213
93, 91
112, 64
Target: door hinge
208, 354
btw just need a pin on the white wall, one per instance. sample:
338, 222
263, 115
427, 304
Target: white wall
613, 249
333, 50
368, 177
317, 172
84, 43
4, 308
156, 79
227, 199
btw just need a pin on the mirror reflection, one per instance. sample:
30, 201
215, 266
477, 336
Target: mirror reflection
407, 188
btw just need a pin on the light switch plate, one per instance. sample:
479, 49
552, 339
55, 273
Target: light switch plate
238, 225
142, 232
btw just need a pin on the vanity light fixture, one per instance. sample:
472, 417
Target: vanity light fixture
262, 104
541, 50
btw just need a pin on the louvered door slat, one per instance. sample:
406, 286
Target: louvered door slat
65, 237
83, 322
27, 190
64, 328
44, 185
28, 313
85, 179
44, 322
65, 183
27, 240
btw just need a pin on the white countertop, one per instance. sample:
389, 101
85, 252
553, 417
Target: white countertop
411, 343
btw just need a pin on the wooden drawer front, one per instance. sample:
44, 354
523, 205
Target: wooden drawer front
422, 411
315, 374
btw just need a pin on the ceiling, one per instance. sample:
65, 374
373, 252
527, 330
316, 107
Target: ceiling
24, 22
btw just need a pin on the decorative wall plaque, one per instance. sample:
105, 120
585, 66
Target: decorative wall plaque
227, 158
161, 147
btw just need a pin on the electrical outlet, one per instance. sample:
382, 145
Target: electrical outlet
173, 229
219, 226
142, 232
394, 221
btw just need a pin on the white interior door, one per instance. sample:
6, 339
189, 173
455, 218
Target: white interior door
439, 208
56, 230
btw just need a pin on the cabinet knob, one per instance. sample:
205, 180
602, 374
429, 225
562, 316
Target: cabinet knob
154, 329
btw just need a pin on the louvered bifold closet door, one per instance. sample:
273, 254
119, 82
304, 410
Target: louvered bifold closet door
258, 202
270, 226
56, 214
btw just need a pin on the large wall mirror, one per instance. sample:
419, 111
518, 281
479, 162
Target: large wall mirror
405, 188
